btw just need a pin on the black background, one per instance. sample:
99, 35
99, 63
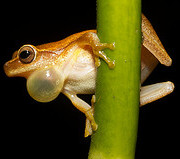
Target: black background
32, 129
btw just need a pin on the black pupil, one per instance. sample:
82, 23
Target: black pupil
25, 54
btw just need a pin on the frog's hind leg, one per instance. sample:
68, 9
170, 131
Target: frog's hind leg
92, 40
152, 42
154, 92
86, 109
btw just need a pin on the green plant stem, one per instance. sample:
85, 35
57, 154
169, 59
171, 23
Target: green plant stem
117, 92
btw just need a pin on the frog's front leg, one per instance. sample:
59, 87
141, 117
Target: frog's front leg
86, 109
92, 40
154, 92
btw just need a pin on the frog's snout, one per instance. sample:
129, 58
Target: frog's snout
7, 69
14, 68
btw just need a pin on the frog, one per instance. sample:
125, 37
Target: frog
69, 66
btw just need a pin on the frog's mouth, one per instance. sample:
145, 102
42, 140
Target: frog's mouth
45, 85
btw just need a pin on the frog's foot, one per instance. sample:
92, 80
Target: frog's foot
90, 127
90, 122
101, 54
86, 109
92, 40
97, 50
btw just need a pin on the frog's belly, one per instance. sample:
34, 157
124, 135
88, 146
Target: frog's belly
82, 78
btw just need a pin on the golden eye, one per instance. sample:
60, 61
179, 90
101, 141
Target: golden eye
26, 54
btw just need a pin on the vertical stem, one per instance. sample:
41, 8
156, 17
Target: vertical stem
117, 92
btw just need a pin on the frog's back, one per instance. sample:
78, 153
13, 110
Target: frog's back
63, 43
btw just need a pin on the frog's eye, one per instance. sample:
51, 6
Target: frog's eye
26, 54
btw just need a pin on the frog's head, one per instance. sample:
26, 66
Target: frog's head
29, 59
38, 66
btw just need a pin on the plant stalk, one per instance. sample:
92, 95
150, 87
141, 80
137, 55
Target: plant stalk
118, 89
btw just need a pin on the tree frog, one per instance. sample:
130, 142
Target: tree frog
69, 66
